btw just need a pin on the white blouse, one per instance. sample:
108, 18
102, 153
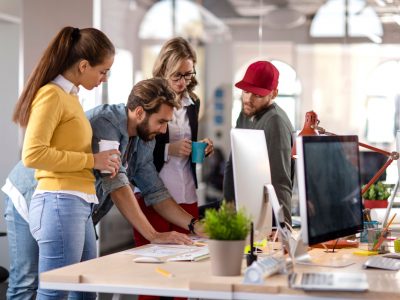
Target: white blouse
176, 173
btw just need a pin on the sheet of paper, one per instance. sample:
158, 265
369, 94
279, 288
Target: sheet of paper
193, 255
167, 250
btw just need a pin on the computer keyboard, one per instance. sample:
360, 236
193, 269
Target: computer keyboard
329, 281
317, 279
381, 262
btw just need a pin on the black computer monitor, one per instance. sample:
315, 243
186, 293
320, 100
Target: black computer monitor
370, 164
328, 173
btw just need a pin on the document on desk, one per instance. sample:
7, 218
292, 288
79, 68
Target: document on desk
172, 252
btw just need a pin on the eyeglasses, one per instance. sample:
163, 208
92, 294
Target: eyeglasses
187, 76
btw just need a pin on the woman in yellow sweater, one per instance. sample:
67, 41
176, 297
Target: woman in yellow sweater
58, 145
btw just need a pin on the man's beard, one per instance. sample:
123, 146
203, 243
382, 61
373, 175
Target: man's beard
143, 131
254, 112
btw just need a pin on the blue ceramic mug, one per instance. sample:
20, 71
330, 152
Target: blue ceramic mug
198, 152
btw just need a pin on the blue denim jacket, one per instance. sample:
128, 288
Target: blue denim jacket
143, 173
109, 122
23, 179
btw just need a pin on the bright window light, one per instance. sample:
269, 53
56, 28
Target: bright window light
120, 81
330, 21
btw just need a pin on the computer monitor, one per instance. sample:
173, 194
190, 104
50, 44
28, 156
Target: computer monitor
370, 164
328, 173
251, 172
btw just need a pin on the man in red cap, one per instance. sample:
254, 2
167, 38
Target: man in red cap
259, 111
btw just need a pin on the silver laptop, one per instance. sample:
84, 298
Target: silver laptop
329, 281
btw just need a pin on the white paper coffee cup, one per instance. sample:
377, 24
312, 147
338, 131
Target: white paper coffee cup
105, 145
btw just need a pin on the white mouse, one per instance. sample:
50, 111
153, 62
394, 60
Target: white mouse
147, 259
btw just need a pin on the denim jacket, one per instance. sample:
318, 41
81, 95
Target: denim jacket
143, 173
20, 186
110, 122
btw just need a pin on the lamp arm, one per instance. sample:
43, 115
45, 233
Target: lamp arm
377, 175
393, 154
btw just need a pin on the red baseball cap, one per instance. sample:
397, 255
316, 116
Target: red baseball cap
261, 78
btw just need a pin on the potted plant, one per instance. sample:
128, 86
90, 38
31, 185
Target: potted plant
376, 196
227, 229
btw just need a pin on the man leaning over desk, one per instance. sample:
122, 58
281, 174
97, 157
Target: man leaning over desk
134, 126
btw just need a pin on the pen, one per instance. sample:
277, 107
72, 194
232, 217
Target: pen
199, 244
201, 257
382, 236
164, 273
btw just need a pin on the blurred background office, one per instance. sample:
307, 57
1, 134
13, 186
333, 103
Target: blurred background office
340, 58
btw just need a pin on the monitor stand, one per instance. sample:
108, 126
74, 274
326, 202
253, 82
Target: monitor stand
293, 244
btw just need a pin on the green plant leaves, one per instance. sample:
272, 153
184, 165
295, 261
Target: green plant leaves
378, 191
226, 223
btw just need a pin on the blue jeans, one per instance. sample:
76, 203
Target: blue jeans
24, 253
63, 228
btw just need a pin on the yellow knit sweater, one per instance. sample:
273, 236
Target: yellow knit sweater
58, 142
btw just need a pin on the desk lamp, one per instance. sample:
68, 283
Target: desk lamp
311, 128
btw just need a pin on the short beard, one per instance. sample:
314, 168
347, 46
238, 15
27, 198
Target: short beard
143, 131
257, 111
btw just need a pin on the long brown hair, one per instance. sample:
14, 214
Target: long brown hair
68, 47
171, 55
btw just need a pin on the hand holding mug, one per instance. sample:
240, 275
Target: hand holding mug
181, 148
210, 147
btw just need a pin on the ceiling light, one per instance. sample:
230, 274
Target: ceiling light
283, 18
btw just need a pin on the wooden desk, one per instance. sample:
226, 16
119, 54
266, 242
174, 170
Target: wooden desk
117, 273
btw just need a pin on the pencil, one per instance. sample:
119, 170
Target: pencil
382, 236
164, 273
199, 244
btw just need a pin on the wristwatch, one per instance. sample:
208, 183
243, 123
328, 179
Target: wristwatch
191, 225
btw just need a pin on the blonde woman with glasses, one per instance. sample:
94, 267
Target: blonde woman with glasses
176, 63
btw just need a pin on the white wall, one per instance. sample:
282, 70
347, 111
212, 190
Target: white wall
42, 19
9, 35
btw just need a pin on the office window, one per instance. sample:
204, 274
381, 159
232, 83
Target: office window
288, 95
187, 20
120, 81
382, 103
332, 21
88, 98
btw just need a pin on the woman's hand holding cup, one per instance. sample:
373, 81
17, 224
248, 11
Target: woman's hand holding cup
107, 161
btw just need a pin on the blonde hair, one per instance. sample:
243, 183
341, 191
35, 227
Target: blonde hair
168, 61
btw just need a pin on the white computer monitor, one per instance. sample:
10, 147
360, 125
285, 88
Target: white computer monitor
251, 172
328, 174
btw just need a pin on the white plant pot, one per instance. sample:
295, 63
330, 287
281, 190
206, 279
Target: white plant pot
226, 257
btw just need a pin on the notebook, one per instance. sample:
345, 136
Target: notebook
329, 281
